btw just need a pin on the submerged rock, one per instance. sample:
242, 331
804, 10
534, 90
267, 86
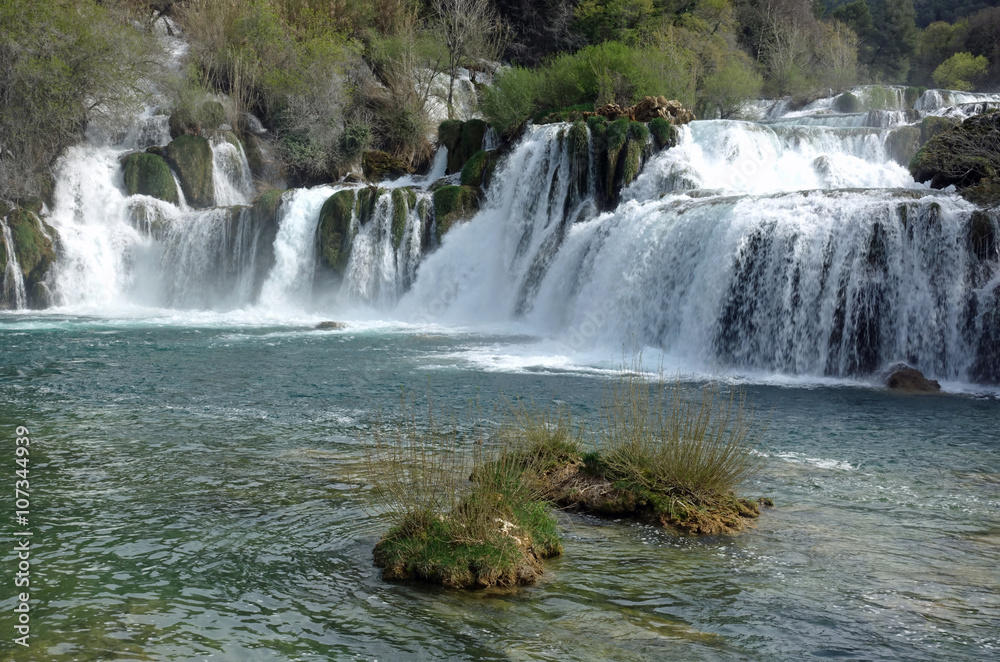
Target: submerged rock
905, 378
191, 157
330, 326
149, 174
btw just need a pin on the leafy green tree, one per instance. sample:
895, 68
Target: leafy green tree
626, 21
895, 21
958, 71
63, 63
725, 92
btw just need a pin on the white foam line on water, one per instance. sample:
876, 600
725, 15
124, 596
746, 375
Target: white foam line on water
822, 463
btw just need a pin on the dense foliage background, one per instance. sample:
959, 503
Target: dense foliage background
331, 79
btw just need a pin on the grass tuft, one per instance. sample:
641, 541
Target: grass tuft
463, 513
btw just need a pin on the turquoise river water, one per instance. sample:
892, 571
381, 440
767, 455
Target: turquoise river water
198, 493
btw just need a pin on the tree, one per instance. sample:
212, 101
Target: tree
63, 63
729, 88
469, 28
958, 71
897, 39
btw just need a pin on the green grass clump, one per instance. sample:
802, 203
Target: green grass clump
683, 451
464, 515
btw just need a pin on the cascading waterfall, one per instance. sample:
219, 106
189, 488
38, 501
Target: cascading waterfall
231, 176
14, 294
795, 244
793, 247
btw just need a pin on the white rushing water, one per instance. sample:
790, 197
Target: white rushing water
796, 244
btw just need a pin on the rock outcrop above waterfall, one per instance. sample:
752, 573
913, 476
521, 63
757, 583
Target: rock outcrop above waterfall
192, 121
911, 380
647, 110
377, 166
149, 174
619, 150
966, 156
463, 140
34, 252
191, 157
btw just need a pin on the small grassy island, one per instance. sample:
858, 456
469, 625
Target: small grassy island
479, 513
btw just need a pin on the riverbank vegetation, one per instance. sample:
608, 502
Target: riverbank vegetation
330, 81
471, 509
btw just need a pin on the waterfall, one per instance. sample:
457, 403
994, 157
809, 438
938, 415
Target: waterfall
792, 249
794, 244
230, 173
289, 284
14, 294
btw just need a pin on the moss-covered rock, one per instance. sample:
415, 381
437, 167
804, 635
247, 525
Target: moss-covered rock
377, 166
367, 200
33, 246
664, 133
463, 140
31, 203
449, 133
334, 232
184, 122
211, 114
453, 204
148, 174
847, 103
911, 95
902, 144
933, 125
402, 201
963, 156
475, 167
191, 157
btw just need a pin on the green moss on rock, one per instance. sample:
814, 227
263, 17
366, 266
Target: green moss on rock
902, 144
964, 156
191, 157
183, 121
453, 204
367, 199
463, 140
579, 140
847, 103
449, 133
933, 125
148, 174
472, 171
632, 161
664, 133
400, 209
335, 230
31, 203
33, 246
377, 166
